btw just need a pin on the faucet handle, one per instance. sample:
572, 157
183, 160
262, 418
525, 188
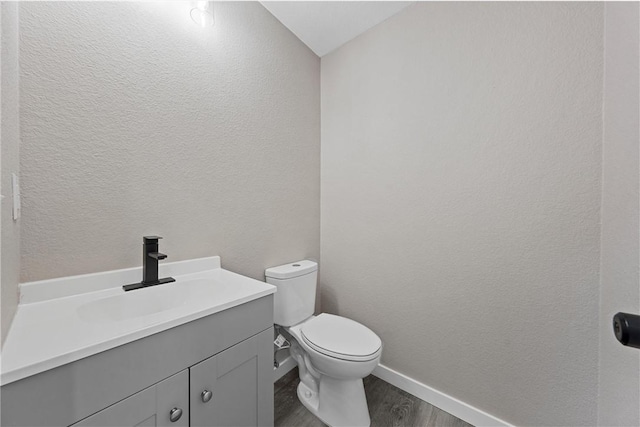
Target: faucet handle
157, 255
151, 239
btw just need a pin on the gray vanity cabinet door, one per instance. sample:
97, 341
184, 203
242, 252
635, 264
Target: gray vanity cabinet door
150, 407
234, 387
173, 394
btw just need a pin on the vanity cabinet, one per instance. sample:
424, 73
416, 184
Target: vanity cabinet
228, 353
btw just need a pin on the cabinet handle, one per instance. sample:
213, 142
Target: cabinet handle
175, 414
206, 396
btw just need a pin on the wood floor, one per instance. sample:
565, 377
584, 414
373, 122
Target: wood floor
388, 406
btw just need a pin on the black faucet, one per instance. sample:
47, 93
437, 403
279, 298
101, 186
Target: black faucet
150, 258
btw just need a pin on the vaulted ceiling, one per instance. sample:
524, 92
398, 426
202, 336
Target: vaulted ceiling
327, 25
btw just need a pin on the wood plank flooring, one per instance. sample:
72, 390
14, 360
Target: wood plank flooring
388, 406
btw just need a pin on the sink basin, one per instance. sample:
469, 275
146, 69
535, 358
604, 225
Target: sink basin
66, 319
138, 303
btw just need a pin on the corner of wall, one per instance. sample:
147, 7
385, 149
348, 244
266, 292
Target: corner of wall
10, 229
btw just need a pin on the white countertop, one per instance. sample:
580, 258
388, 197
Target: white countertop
56, 324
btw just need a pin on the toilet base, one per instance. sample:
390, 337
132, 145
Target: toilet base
339, 403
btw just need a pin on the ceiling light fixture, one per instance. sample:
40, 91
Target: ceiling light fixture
202, 14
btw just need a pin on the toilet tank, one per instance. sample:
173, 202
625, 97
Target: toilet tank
295, 299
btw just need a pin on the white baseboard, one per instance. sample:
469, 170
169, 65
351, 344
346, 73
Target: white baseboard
285, 366
438, 399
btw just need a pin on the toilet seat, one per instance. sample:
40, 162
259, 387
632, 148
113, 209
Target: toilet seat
341, 338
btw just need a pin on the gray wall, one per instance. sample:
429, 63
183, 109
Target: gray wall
620, 282
10, 229
461, 166
135, 121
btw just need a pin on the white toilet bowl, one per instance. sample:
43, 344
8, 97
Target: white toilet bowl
334, 354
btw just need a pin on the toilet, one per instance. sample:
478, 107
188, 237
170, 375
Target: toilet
333, 353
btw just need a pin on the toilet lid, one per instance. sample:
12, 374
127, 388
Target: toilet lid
341, 338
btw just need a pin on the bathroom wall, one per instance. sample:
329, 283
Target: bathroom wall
460, 201
10, 229
136, 121
619, 370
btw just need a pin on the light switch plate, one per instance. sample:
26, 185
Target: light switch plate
15, 186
